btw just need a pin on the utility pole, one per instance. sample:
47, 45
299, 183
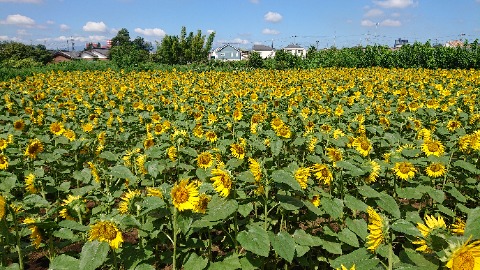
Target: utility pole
317, 43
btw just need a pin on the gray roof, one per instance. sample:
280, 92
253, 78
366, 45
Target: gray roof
259, 47
294, 46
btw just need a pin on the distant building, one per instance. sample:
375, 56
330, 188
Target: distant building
94, 54
226, 52
399, 43
454, 43
264, 51
296, 49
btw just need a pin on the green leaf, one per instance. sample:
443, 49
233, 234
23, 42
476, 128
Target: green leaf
231, 262
189, 151
304, 239
413, 257
65, 233
471, 227
93, 255
446, 210
283, 177
465, 165
218, 210
145, 266
350, 168
153, 168
409, 193
405, 227
284, 245
71, 224
276, 147
289, 203
388, 203
362, 258
334, 207
437, 195
195, 262
63, 262
455, 193
348, 237
251, 262
255, 240
411, 152
354, 204
246, 177
36, 201
108, 156
245, 209
83, 175
358, 226
8, 182
332, 247
368, 192
234, 163
122, 172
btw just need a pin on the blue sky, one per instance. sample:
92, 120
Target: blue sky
243, 23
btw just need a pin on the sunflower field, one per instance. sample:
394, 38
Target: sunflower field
333, 168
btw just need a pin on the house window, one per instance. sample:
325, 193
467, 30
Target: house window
222, 54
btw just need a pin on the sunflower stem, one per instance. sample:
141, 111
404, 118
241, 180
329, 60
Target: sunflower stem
174, 259
390, 255
17, 235
115, 263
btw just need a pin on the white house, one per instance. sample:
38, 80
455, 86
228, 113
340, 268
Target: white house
264, 51
296, 49
226, 53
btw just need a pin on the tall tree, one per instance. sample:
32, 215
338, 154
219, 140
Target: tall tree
122, 38
185, 48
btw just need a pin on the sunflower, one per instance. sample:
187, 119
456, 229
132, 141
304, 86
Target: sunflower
339, 110
337, 133
433, 147
19, 125
184, 195
315, 200
312, 143
362, 145
128, 201
154, 192
237, 115
284, 131
255, 169
72, 206
464, 256
87, 127
222, 182
57, 128
34, 148
431, 225
435, 170
106, 231
376, 226
301, 175
322, 173
30, 183
237, 150
158, 129
325, 128
172, 153
149, 141
405, 170
69, 134
334, 154
94, 171
3, 162
3, 144
375, 170
35, 235
140, 162
452, 125
205, 160
201, 205
3, 207
458, 227
342, 267
211, 136
198, 131
276, 123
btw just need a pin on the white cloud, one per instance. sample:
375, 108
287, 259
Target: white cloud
18, 19
157, 32
233, 41
64, 27
367, 23
80, 39
209, 31
255, 1
22, 1
391, 23
373, 13
395, 3
268, 31
22, 32
95, 27
273, 17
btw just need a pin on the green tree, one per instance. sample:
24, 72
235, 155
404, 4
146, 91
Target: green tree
255, 60
185, 48
30, 55
126, 53
122, 38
